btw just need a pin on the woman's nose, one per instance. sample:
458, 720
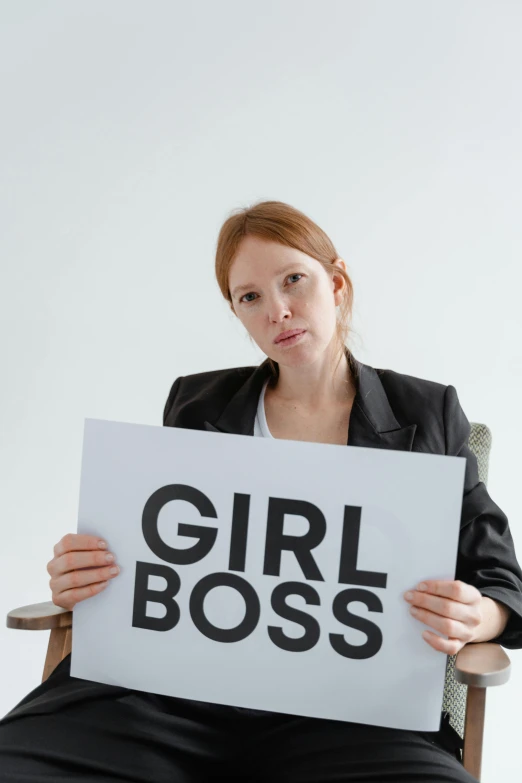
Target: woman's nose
278, 309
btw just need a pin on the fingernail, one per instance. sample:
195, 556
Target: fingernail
422, 586
408, 596
102, 544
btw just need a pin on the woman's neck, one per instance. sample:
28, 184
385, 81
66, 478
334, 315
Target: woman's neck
313, 386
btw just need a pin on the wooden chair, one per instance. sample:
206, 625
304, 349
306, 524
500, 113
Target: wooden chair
468, 674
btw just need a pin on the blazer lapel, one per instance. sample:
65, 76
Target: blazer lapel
239, 415
372, 421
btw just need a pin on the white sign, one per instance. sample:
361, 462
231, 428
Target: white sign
266, 573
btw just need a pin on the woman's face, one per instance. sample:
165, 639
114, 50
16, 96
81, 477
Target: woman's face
276, 289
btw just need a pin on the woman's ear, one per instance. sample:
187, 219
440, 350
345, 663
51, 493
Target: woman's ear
339, 281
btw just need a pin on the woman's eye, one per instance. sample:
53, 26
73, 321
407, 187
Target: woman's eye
244, 297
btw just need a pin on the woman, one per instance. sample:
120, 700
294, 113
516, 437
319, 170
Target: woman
284, 281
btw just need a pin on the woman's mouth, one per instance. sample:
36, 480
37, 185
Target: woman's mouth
293, 337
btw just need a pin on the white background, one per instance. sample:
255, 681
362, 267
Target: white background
129, 132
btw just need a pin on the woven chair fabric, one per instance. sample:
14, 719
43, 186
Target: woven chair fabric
455, 693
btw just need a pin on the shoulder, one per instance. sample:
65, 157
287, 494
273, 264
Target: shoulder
409, 391
432, 405
201, 396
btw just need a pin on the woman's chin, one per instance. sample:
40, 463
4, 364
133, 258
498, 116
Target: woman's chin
298, 356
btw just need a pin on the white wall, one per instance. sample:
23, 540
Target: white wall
129, 131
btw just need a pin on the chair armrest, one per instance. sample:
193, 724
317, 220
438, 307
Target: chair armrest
482, 664
39, 617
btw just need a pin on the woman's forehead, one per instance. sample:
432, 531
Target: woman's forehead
263, 256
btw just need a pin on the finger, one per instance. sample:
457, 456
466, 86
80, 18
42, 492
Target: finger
75, 579
454, 589
446, 625
446, 607
76, 542
72, 561
446, 646
70, 598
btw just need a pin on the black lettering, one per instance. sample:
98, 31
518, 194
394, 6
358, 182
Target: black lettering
301, 546
348, 573
252, 607
239, 532
341, 613
310, 624
142, 594
206, 535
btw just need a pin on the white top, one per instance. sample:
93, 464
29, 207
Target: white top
260, 425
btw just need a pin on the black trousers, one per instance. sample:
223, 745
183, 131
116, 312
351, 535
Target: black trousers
68, 729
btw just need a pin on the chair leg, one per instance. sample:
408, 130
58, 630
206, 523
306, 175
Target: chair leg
60, 643
474, 730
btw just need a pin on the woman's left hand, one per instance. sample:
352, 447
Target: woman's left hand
452, 608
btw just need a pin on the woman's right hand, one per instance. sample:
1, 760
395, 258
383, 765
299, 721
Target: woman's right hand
81, 567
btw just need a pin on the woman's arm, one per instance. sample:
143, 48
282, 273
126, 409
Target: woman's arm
486, 555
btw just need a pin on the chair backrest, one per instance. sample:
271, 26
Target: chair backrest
455, 693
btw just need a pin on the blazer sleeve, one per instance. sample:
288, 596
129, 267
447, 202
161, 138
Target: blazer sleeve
486, 555
170, 399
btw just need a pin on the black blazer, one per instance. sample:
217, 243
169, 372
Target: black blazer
390, 411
